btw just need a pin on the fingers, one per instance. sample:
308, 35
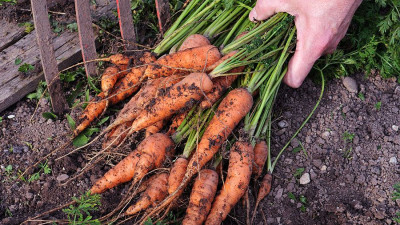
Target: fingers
299, 67
309, 47
265, 9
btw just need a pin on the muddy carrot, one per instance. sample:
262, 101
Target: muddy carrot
236, 183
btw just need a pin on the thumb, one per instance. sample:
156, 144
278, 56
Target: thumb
263, 10
299, 67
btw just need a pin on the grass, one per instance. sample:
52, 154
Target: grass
298, 172
26, 68
395, 196
12, 2
348, 137
79, 213
302, 199
378, 106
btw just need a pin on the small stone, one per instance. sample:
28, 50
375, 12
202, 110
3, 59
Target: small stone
350, 84
11, 116
393, 160
397, 90
323, 168
395, 128
308, 140
283, 124
326, 135
279, 193
313, 175
62, 177
305, 179
29, 195
317, 163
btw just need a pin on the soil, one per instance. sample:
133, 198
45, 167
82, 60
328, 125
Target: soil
349, 150
345, 188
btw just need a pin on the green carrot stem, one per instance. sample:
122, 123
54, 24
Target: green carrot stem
271, 168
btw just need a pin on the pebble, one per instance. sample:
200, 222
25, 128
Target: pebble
305, 179
29, 195
62, 177
393, 160
395, 128
350, 84
397, 90
10, 116
317, 163
283, 124
323, 168
326, 135
279, 193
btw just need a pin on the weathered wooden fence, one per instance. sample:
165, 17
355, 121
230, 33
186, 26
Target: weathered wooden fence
86, 38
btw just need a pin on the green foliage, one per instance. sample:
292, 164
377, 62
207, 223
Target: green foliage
299, 172
361, 96
395, 196
71, 122
302, 199
29, 27
39, 93
49, 115
73, 27
348, 137
371, 42
145, 16
12, 2
17, 61
378, 106
9, 169
1, 119
43, 168
26, 68
80, 214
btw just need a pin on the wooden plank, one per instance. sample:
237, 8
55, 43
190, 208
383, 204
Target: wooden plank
86, 35
126, 24
48, 59
163, 14
9, 34
15, 87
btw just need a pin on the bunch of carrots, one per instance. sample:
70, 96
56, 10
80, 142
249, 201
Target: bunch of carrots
210, 96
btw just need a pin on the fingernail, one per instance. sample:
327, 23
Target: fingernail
253, 15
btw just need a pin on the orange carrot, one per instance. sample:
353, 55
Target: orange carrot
221, 84
109, 78
265, 189
129, 84
116, 135
177, 173
229, 113
149, 154
261, 154
189, 60
236, 183
119, 59
211, 67
132, 109
183, 94
121, 173
95, 108
155, 192
155, 128
193, 41
202, 196
176, 122
231, 110
157, 148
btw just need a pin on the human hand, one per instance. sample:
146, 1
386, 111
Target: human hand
320, 24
